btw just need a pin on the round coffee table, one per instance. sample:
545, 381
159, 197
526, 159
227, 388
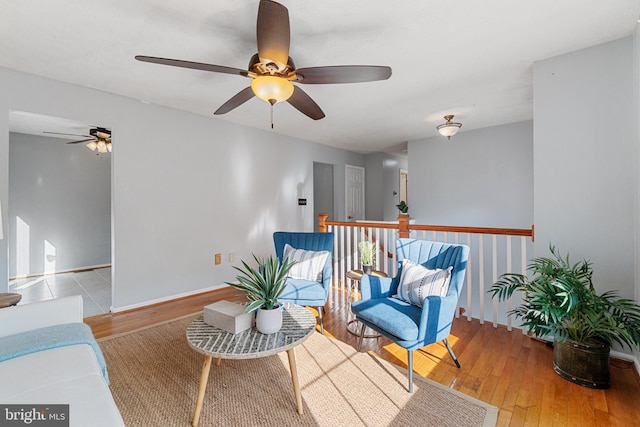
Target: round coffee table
355, 276
298, 324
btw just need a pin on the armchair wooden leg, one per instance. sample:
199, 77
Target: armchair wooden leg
362, 328
453, 356
320, 318
410, 368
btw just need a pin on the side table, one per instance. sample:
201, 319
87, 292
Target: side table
9, 299
355, 276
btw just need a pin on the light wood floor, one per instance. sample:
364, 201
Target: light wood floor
506, 369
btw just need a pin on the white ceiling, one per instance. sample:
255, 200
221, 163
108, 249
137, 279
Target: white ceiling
470, 58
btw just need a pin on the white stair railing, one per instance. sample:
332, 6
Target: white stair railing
492, 253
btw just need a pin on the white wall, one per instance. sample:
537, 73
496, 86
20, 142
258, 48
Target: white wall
62, 196
479, 178
184, 186
374, 182
636, 114
4, 195
584, 160
382, 176
636, 178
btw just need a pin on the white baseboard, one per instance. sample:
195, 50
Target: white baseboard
167, 298
628, 357
70, 270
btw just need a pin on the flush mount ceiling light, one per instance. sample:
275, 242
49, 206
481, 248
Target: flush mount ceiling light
449, 128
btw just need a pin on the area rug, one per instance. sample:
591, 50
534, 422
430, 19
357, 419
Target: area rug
155, 374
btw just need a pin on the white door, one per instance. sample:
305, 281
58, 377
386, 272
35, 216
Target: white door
404, 186
354, 177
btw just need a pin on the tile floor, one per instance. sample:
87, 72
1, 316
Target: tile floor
93, 285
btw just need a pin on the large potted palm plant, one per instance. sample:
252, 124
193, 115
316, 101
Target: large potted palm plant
559, 301
263, 286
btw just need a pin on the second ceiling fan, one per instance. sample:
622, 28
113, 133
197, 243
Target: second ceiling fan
99, 139
272, 70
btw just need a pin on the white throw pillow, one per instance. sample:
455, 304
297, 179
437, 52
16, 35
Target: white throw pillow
418, 282
309, 264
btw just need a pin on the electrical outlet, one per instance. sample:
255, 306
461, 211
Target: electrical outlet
218, 259
232, 257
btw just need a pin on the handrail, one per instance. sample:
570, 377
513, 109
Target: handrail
525, 232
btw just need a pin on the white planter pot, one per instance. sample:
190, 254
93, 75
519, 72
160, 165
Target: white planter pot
269, 321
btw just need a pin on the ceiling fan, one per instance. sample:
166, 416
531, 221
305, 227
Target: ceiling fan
100, 139
273, 70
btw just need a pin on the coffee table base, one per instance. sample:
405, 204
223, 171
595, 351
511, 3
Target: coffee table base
204, 378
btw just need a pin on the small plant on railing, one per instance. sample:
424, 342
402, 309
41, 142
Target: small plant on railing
403, 207
367, 254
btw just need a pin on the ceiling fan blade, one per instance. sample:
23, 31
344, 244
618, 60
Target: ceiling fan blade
70, 134
193, 65
237, 100
272, 33
78, 142
303, 103
343, 74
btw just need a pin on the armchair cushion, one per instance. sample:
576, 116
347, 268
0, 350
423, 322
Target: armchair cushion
309, 264
303, 290
418, 282
394, 316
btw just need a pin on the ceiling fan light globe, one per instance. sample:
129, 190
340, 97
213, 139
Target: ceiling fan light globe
272, 88
102, 146
92, 146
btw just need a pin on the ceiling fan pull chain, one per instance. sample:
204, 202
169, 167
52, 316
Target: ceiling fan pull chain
271, 103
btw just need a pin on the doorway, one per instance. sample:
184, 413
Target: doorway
354, 178
404, 186
322, 192
59, 212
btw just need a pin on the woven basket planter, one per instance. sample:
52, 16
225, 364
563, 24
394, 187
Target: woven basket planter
583, 364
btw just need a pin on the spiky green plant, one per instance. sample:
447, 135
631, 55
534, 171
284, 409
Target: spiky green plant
559, 300
262, 285
367, 251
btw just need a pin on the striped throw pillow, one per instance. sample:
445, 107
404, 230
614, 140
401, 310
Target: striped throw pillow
309, 264
418, 282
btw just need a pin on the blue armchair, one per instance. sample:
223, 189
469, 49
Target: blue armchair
312, 293
407, 325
